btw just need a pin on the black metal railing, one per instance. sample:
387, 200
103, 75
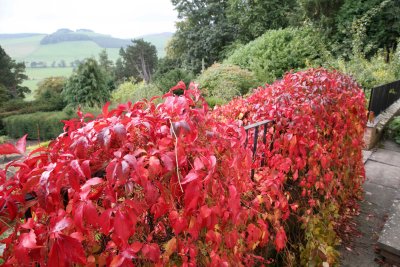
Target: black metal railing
256, 127
383, 96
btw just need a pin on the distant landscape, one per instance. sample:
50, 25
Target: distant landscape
58, 53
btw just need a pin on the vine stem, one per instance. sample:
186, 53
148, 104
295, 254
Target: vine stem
1, 220
176, 155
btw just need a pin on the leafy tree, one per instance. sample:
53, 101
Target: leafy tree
50, 90
367, 26
120, 71
202, 34
252, 18
321, 12
139, 60
11, 77
169, 73
105, 62
108, 67
87, 85
62, 64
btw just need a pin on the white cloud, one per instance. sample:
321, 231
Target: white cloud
120, 18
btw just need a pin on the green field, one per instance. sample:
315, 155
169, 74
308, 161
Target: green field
69, 51
35, 75
20, 48
29, 49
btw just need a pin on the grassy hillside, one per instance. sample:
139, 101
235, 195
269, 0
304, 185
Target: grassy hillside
68, 51
20, 48
30, 48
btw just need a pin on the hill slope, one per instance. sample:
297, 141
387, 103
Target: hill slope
68, 46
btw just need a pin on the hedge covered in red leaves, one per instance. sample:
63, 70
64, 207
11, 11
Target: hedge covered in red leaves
148, 184
315, 160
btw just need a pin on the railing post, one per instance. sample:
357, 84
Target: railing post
256, 127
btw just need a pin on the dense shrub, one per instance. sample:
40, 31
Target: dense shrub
394, 129
278, 51
314, 166
3, 139
170, 183
49, 91
213, 101
124, 92
38, 125
371, 72
169, 79
225, 81
19, 106
130, 91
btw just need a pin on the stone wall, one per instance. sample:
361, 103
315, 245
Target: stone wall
374, 129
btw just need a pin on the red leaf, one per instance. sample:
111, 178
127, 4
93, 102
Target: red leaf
6, 149
120, 131
191, 176
231, 239
61, 225
151, 193
167, 162
178, 223
28, 240
105, 221
57, 256
151, 252
117, 261
85, 166
198, 164
19, 148
123, 226
280, 239
87, 187
205, 211
154, 165
74, 250
12, 209
90, 213
105, 109
179, 86
136, 246
253, 236
65, 251
77, 168
21, 144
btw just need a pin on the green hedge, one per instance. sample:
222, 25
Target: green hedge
278, 51
225, 81
19, 106
47, 125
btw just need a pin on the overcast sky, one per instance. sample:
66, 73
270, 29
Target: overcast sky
120, 18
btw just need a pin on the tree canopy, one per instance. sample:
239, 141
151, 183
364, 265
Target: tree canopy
139, 60
210, 30
87, 85
203, 33
12, 75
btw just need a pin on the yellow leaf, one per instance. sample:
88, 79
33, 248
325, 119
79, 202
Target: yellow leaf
170, 248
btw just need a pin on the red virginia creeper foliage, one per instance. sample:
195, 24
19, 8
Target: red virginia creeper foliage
313, 151
147, 184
